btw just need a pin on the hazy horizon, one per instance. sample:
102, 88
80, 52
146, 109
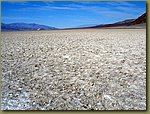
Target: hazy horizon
70, 14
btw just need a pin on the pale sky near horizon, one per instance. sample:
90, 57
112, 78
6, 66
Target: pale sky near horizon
70, 14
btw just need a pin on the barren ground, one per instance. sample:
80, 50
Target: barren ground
95, 69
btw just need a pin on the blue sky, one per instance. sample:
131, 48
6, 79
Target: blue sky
70, 14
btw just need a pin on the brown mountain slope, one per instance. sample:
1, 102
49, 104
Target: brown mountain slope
127, 23
139, 20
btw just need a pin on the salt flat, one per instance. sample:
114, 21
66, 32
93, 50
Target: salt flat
90, 69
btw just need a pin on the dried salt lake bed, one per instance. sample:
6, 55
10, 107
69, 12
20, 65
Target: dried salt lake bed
95, 69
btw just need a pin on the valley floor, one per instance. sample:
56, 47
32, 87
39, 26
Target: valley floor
90, 69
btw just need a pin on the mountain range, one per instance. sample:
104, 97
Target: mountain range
139, 22
25, 26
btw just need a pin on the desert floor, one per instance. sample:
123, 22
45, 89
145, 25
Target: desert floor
90, 69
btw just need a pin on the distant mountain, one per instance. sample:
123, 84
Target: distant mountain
126, 23
24, 26
139, 20
88, 25
120, 23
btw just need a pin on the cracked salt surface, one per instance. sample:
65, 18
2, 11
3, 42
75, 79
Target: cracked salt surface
91, 69
21, 103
